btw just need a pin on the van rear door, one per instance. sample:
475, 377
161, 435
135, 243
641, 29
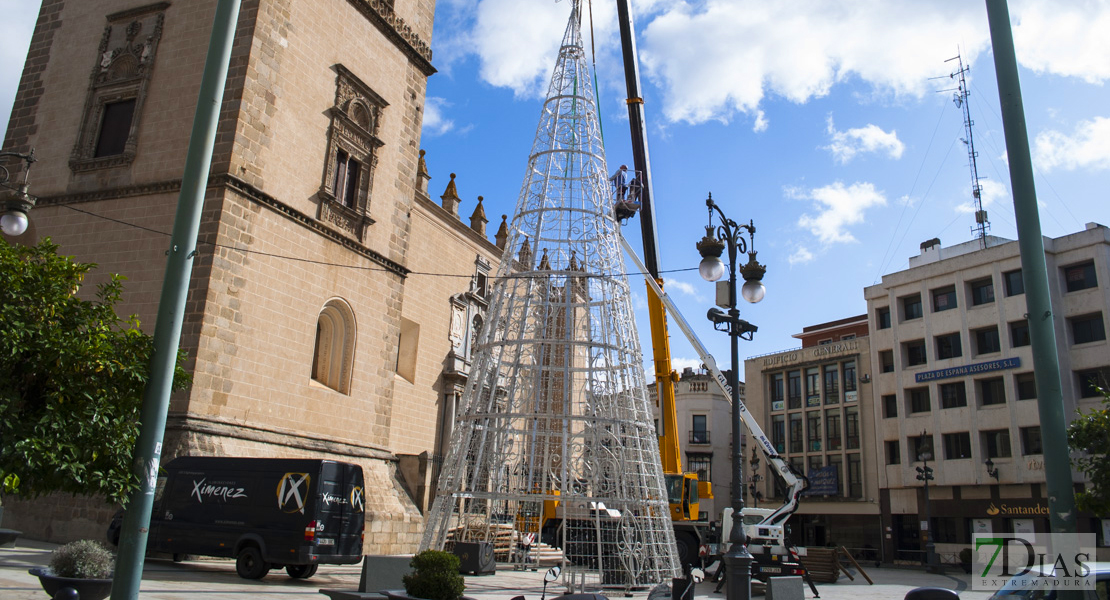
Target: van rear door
340, 513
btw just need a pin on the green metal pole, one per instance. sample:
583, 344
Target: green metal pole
171, 307
1042, 333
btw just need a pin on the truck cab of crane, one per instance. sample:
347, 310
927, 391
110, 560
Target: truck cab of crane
682, 495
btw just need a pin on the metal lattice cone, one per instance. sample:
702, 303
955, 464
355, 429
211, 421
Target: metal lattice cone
555, 441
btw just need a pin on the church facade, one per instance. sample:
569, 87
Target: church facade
332, 301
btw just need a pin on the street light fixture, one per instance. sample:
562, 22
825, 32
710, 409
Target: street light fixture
754, 479
729, 235
992, 471
13, 221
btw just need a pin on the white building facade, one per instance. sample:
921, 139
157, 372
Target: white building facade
704, 417
953, 383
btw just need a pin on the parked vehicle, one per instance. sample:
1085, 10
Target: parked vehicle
266, 513
1032, 585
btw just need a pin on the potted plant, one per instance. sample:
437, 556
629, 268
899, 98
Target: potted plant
435, 576
85, 566
965, 559
10, 486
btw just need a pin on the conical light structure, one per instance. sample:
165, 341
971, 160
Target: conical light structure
555, 440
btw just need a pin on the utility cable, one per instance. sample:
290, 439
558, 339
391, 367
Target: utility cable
330, 264
888, 254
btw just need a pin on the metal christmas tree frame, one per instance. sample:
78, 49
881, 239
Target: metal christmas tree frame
555, 440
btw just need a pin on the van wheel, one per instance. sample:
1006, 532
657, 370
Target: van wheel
249, 564
301, 571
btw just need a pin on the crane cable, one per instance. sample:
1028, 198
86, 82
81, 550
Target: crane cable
593, 61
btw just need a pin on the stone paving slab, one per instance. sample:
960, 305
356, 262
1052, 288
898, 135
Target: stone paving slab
217, 580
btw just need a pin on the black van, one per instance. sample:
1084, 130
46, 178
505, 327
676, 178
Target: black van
264, 512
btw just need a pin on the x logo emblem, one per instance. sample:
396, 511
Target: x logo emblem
290, 498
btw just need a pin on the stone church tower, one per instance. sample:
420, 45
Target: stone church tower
332, 300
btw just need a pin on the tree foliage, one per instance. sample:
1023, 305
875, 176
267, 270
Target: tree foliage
72, 375
1090, 435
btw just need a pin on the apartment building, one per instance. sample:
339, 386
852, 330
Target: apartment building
815, 405
954, 388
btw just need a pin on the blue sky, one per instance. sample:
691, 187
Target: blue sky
819, 120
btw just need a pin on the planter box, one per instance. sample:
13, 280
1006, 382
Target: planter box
88, 589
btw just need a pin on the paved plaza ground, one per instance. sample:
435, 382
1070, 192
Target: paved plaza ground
216, 580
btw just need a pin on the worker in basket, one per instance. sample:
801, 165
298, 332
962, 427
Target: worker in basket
626, 193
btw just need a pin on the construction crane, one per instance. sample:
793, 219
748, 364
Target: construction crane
765, 528
684, 490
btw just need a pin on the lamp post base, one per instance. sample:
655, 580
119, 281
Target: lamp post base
932, 565
738, 573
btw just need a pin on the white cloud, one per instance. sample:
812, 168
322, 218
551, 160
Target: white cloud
1088, 147
670, 285
435, 122
678, 364
517, 41
993, 193
1064, 37
714, 59
845, 145
760, 123
15, 37
838, 208
726, 56
800, 256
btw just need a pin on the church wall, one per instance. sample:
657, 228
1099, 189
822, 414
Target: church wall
250, 321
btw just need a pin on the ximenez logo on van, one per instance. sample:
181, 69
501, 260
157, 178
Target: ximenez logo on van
208, 491
330, 498
290, 495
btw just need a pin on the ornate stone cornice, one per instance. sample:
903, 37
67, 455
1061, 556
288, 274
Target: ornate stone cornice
144, 189
380, 13
249, 191
242, 188
216, 426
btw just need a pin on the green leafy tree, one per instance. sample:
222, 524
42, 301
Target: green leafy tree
72, 375
1090, 435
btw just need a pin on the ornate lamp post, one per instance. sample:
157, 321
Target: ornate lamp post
754, 479
13, 221
729, 235
925, 474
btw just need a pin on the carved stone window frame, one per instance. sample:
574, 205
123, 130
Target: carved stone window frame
333, 354
122, 71
355, 122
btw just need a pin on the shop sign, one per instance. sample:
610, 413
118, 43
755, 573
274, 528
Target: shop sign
814, 353
1006, 510
986, 367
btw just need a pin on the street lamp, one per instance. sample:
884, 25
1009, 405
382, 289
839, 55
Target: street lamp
992, 471
729, 235
754, 479
13, 221
925, 474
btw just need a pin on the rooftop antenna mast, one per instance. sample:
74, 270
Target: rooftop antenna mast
982, 224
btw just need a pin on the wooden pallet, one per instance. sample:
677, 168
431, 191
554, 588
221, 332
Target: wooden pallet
506, 540
822, 564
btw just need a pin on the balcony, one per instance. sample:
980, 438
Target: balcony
698, 436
